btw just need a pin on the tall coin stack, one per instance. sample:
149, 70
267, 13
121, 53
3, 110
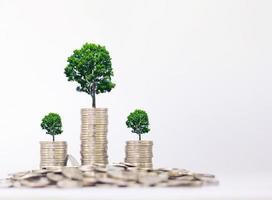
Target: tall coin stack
94, 143
139, 153
53, 154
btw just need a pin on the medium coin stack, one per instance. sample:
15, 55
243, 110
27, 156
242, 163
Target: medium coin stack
53, 154
139, 153
94, 143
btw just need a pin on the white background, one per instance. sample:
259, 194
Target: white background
201, 69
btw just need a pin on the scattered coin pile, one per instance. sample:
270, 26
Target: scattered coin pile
53, 154
139, 153
94, 143
117, 175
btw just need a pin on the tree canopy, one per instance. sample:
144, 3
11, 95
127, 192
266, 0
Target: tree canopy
138, 122
91, 68
52, 124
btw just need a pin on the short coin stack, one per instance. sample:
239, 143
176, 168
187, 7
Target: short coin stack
139, 153
94, 143
53, 154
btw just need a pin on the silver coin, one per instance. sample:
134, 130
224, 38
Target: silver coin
139, 151
55, 142
55, 177
36, 183
94, 109
72, 173
6, 183
67, 183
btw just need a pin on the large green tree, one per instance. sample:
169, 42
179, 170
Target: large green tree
91, 67
138, 122
52, 124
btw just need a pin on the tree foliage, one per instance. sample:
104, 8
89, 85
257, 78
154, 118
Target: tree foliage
52, 124
138, 122
91, 67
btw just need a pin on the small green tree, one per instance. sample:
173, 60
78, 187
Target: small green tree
138, 121
90, 66
52, 124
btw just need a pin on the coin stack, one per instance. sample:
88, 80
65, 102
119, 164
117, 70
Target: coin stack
139, 153
53, 154
94, 143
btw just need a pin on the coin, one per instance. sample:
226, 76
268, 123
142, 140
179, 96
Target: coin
150, 179
94, 110
55, 177
138, 151
72, 173
89, 181
5, 183
52, 156
67, 183
139, 142
36, 183
53, 143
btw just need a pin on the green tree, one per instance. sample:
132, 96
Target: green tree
52, 124
138, 121
90, 66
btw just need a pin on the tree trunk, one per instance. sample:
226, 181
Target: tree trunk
93, 88
53, 138
140, 138
94, 103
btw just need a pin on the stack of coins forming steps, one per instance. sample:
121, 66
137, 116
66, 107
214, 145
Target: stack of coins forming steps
53, 154
94, 143
139, 153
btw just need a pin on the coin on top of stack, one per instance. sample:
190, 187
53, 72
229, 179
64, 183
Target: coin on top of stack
94, 143
139, 153
53, 153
